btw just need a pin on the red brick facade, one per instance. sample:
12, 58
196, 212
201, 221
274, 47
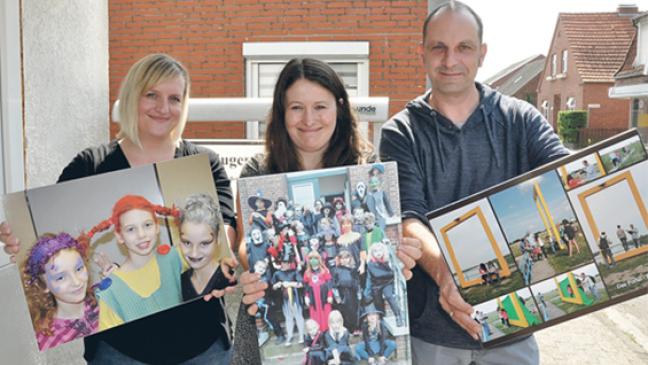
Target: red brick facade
589, 69
207, 36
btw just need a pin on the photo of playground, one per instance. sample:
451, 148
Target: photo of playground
569, 292
581, 171
507, 314
477, 253
615, 223
325, 243
542, 230
622, 154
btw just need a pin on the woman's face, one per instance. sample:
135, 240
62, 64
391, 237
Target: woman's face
198, 243
139, 232
311, 114
160, 108
66, 277
346, 227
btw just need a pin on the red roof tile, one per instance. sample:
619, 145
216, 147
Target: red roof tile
598, 42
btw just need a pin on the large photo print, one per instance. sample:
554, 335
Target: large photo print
553, 244
325, 242
103, 251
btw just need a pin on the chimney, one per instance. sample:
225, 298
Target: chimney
628, 10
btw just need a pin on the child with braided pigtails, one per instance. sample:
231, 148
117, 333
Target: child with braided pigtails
148, 281
58, 293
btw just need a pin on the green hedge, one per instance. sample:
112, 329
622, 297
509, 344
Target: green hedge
569, 123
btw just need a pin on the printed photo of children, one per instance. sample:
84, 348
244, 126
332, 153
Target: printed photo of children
325, 243
623, 154
105, 253
507, 314
582, 171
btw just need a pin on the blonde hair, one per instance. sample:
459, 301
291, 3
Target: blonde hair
143, 75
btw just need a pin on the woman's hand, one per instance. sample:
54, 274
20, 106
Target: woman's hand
12, 245
408, 252
253, 290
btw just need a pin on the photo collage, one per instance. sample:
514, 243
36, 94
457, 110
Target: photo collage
325, 242
566, 239
117, 247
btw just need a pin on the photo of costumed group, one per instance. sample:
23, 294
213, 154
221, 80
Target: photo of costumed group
325, 243
106, 250
554, 244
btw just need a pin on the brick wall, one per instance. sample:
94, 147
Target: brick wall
613, 113
207, 36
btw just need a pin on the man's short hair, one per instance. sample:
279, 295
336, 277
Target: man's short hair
455, 6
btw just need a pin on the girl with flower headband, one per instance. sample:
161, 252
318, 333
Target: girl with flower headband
60, 301
149, 280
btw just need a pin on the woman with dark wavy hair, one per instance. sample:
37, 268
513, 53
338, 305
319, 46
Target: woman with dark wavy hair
310, 126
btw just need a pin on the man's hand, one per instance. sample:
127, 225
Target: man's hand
408, 252
253, 290
460, 311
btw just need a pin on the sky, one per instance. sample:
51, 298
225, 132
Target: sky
624, 210
517, 29
468, 239
517, 211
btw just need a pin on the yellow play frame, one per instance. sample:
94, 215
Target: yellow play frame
521, 321
505, 270
577, 299
623, 177
545, 214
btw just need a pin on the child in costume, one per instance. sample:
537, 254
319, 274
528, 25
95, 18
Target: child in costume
329, 248
346, 282
376, 346
378, 202
315, 347
261, 216
269, 317
350, 240
288, 281
373, 232
340, 208
199, 232
318, 294
380, 281
149, 280
257, 247
58, 293
336, 338
359, 198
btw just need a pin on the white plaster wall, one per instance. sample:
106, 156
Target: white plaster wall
65, 70
65, 83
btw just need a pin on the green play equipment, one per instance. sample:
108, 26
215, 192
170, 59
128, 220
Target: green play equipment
578, 297
519, 314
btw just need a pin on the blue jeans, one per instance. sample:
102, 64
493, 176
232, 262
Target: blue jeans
363, 354
107, 355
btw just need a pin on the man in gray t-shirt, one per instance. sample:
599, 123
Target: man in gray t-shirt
457, 139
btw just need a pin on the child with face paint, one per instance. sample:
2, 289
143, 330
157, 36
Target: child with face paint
58, 293
149, 280
346, 283
318, 292
380, 281
375, 347
315, 347
337, 341
286, 248
279, 216
328, 213
257, 247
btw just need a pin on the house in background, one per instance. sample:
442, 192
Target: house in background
586, 51
632, 78
520, 79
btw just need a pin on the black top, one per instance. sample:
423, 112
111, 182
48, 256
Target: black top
177, 334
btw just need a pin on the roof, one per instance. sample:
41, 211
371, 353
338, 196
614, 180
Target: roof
598, 42
522, 76
627, 69
509, 70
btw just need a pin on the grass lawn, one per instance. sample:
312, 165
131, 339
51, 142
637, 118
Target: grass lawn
481, 293
561, 262
637, 280
636, 154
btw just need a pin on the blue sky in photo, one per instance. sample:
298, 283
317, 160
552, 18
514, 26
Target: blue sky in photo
517, 211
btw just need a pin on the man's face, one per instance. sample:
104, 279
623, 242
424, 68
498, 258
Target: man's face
452, 52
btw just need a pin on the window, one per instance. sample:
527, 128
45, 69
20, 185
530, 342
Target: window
264, 61
554, 66
571, 103
545, 109
564, 62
